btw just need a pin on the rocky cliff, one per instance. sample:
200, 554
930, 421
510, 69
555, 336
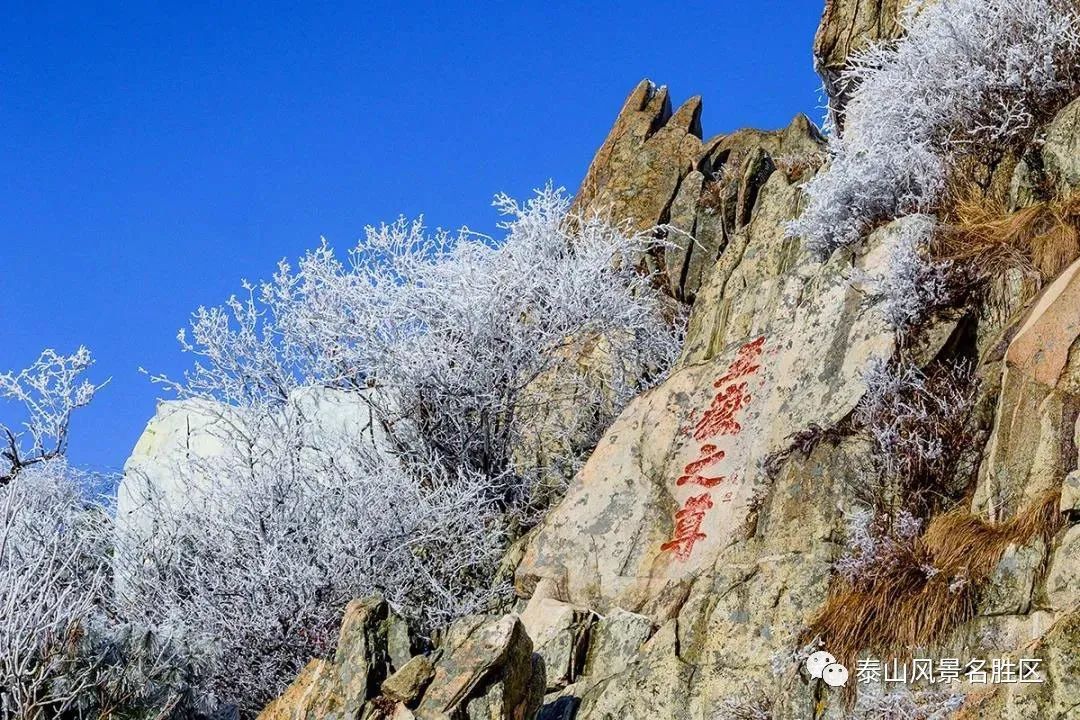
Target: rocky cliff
691, 564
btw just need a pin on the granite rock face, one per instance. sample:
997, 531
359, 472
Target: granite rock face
846, 27
704, 527
654, 169
677, 576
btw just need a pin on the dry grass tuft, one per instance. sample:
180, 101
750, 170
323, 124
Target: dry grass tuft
919, 601
1039, 239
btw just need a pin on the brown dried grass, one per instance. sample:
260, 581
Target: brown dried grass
906, 608
1039, 239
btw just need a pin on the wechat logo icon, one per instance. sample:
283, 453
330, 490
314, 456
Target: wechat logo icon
822, 665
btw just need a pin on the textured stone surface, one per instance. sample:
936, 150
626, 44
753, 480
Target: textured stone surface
653, 169
1061, 151
635, 173
337, 690
802, 333
560, 633
615, 642
1033, 445
409, 681
717, 200
846, 27
486, 670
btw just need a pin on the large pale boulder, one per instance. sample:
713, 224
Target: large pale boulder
188, 442
674, 518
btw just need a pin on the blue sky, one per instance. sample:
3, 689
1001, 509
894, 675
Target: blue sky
153, 154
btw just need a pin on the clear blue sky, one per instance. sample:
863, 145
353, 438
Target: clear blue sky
152, 154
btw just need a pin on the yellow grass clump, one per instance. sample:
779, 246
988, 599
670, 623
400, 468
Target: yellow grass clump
919, 600
1041, 238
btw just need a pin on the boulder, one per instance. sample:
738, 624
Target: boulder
407, 684
560, 633
187, 442
486, 670
338, 690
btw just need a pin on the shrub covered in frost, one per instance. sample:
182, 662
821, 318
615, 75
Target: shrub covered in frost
918, 423
64, 652
443, 336
913, 284
450, 329
968, 78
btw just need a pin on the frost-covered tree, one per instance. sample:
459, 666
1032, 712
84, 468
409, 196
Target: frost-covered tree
969, 78
452, 341
450, 329
52, 575
47, 392
253, 570
63, 651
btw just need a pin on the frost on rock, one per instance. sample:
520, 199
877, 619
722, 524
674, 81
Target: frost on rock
912, 284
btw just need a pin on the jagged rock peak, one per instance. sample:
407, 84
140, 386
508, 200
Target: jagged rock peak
654, 169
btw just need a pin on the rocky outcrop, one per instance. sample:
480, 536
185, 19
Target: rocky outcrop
338, 690
668, 489
1034, 442
654, 169
703, 529
637, 170
485, 669
408, 683
846, 27
678, 576
560, 634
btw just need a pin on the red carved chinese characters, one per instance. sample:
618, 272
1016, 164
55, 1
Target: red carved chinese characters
719, 421
688, 526
745, 364
692, 471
